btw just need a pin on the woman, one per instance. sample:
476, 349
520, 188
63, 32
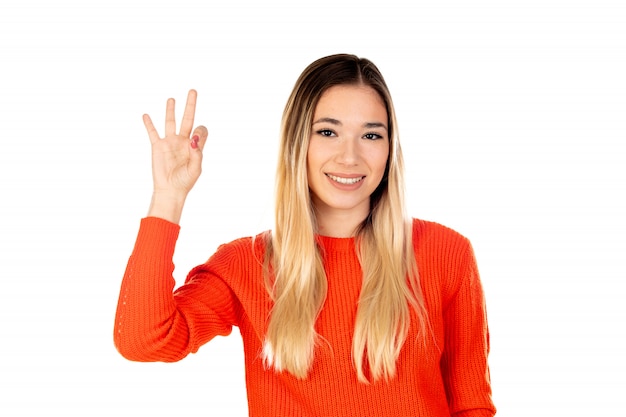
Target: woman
347, 307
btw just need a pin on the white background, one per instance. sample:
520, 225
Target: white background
513, 121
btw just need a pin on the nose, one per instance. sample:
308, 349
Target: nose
348, 152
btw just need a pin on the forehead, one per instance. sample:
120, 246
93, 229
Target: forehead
350, 99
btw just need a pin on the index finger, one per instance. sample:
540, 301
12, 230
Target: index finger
189, 114
152, 132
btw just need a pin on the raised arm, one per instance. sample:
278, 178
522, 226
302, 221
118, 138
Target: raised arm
151, 324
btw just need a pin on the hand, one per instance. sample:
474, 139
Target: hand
176, 159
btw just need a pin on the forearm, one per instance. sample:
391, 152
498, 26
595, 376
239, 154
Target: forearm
148, 326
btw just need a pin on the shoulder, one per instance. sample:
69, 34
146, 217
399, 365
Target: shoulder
440, 248
243, 249
444, 255
237, 259
243, 244
429, 233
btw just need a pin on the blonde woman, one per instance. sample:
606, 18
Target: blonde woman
348, 307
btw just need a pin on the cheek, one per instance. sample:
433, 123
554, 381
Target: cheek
312, 166
380, 161
315, 155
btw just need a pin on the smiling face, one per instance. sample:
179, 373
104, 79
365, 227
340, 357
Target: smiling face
347, 154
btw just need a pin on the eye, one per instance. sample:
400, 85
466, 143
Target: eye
326, 132
372, 136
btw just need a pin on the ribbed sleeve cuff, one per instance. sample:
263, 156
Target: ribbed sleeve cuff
158, 234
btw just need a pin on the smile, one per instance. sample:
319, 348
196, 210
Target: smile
347, 181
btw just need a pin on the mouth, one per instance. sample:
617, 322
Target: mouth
346, 181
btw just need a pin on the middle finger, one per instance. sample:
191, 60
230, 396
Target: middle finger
190, 110
170, 120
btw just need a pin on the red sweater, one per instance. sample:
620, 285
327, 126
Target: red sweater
447, 375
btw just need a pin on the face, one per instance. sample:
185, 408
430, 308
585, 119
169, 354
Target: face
348, 151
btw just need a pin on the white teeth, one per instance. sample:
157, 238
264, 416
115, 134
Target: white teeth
347, 181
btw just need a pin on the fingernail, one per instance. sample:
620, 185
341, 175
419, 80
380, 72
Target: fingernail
194, 141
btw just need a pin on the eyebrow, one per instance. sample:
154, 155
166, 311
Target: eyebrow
336, 122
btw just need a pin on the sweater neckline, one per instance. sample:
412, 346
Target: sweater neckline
330, 243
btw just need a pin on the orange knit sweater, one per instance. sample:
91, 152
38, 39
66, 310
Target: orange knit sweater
446, 376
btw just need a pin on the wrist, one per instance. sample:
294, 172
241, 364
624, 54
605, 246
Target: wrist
168, 206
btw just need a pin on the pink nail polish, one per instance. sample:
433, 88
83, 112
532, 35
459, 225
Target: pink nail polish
194, 141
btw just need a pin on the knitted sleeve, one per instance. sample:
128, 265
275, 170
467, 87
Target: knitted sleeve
464, 361
153, 323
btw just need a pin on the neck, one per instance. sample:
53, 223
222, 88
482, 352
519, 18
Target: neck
339, 223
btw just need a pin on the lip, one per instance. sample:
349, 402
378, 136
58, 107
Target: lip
332, 178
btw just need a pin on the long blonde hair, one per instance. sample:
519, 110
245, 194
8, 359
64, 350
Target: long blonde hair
295, 276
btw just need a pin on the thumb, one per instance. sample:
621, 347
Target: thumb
198, 138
